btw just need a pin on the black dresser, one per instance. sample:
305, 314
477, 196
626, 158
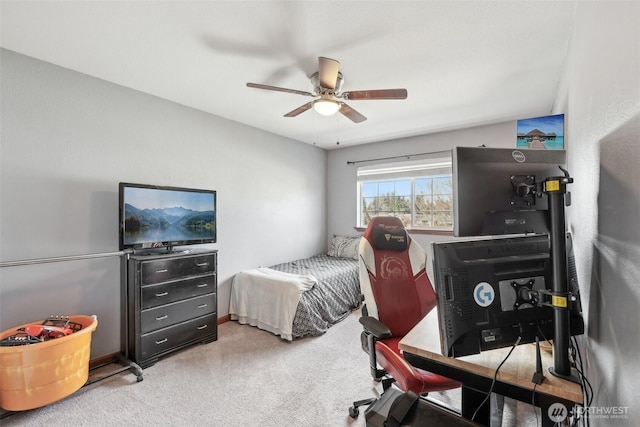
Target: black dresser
170, 302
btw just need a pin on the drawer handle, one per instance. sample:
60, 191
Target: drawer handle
162, 341
162, 271
202, 327
202, 285
202, 264
162, 294
162, 317
202, 305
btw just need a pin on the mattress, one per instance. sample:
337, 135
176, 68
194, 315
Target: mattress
335, 294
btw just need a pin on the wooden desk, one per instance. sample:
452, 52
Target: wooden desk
421, 347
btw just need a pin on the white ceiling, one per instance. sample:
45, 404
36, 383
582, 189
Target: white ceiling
464, 63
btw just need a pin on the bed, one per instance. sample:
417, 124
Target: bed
300, 298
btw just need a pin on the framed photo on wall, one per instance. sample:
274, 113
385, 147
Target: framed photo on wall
544, 133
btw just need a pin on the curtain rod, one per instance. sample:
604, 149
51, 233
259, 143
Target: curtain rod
60, 258
406, 156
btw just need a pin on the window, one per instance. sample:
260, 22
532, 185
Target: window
419, 192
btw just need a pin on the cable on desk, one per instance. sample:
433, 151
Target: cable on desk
542, 335
587, 389
533, 402
495, 375
535, 384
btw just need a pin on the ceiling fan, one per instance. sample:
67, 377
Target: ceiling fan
327, 86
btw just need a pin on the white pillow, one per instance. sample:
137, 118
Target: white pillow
344, 247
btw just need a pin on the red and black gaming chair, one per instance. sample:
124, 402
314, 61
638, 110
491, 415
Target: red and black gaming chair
397, 295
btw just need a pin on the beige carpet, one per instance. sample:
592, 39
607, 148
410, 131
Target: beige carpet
248, 377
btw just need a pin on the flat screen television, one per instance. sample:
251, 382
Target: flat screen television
492, 193
154, 216
492, 291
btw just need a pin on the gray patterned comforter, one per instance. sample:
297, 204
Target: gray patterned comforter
336, 294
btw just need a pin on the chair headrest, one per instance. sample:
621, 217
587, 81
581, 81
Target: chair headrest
389, 238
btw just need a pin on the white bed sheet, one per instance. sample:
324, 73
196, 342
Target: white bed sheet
268, 299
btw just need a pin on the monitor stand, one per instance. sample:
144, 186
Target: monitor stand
556, 188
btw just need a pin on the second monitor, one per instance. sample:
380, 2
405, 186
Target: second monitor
492, 291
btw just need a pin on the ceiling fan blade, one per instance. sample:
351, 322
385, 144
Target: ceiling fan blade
299, 110
328, 72
360, 95
351, 114
279, 89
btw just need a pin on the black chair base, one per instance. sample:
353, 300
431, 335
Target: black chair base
354, 410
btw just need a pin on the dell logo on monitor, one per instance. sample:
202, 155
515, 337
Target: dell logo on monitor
483, 294
518, 156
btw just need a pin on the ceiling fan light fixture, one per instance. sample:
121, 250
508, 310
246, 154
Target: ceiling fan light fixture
326, 107
327, 88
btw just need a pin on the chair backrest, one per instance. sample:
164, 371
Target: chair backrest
393, 277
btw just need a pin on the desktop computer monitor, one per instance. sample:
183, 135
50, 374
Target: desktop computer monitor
493, 190
492, 291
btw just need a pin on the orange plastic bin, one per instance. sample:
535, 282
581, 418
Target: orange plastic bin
38, 374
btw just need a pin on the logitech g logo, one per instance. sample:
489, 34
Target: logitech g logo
518, 156
483, 294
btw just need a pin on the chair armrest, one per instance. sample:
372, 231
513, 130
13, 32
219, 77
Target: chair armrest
375, 327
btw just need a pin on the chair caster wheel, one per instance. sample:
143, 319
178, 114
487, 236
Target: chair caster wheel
354, 412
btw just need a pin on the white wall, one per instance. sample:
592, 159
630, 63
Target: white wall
600, 95
67, 139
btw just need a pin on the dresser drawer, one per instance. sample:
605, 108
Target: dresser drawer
170, 302
168, 292
162, 270
170, 314
169, 338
